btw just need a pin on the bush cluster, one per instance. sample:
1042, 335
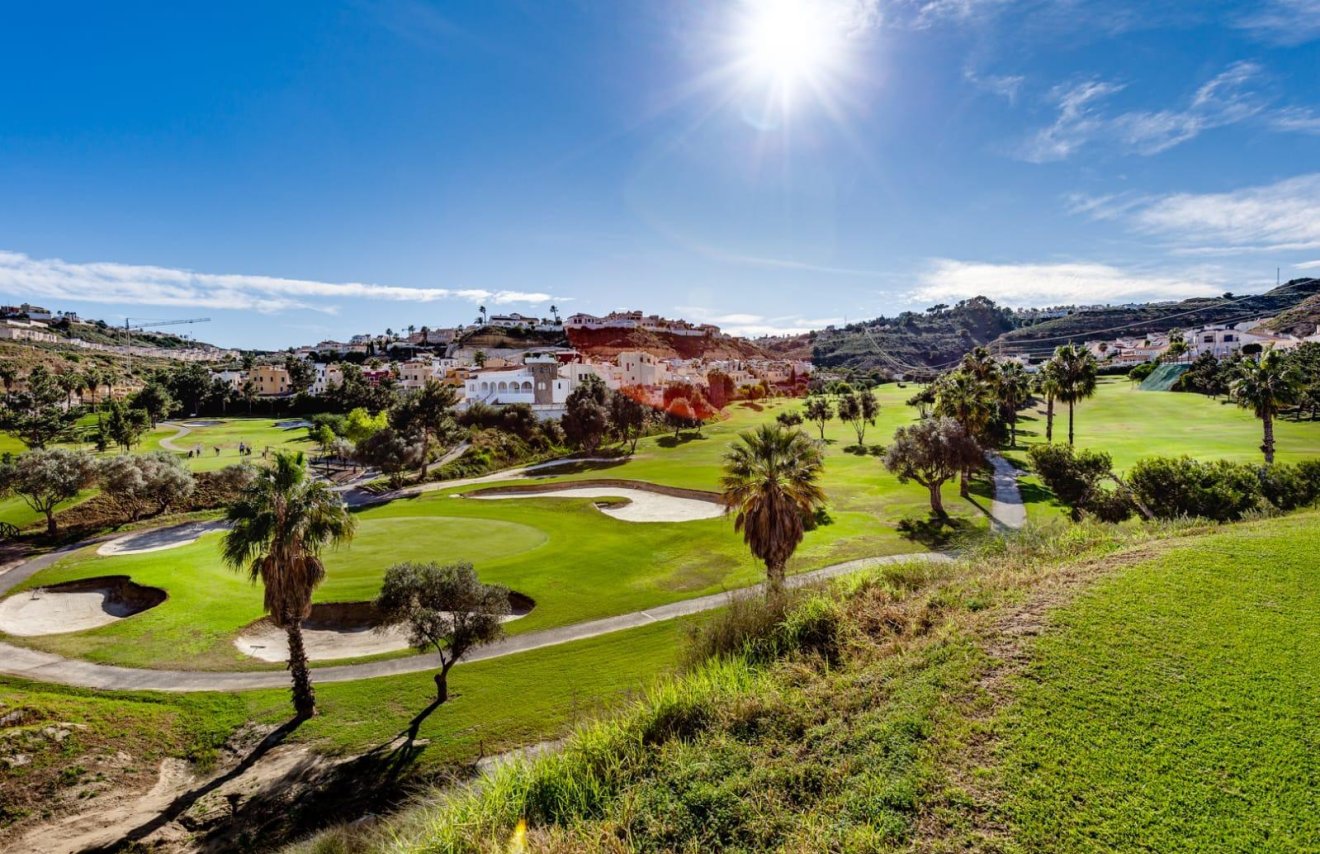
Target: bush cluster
1220, 490
1174, 487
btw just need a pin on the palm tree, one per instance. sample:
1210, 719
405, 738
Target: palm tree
1266, 385
1178, 346
771, 484
1077, 378
1014, 387
1047, 384
280, 525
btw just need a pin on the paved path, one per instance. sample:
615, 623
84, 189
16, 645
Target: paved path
1007, 512
168, 442
47, 667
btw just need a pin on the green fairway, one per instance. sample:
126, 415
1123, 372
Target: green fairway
227, 435
260, 433
575, 562
1173, 707
1130, 424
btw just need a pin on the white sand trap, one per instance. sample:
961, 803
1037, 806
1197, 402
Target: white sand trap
642, 506
159, 539
267, 643
74, 607
337, 631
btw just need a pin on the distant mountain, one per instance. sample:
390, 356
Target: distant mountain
914, 343
1158, 317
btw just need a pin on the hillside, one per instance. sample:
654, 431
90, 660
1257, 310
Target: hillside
607, 343
1161, 317
912, 341
1302, 319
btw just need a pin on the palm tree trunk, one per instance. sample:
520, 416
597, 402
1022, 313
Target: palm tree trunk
1049, 419
1268, 445
774, 578
304, 697
1070, 421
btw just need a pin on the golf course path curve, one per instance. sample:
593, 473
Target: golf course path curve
47, 667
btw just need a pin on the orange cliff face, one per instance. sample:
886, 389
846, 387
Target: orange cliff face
608, 343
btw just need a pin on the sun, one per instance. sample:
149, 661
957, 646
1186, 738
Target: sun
790, 46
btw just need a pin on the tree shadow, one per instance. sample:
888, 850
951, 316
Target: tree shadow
578, 467
934, 532
671, 442
184, 802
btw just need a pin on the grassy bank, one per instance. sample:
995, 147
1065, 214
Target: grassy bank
1165, 709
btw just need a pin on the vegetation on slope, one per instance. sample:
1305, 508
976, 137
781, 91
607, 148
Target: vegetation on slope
898, 715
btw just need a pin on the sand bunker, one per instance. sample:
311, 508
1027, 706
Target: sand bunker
75, 606
339, 630
642, 505
201, 424
159, 539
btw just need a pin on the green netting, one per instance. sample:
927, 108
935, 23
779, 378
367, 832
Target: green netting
1163, 377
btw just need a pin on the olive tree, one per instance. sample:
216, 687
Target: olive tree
139, 482
44, 478
931, 452
445, 608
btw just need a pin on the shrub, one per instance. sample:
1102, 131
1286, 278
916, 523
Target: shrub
1220, 491
1075, 478
1289, 487
761, 629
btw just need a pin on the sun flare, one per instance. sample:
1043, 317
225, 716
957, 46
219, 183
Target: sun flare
787, 47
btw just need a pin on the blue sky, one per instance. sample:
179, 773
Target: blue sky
297, 171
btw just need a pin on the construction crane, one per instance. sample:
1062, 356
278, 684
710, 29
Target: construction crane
147, 323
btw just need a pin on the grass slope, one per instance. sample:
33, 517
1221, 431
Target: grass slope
1130, 424
1173, 707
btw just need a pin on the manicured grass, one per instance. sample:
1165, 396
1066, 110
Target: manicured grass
577, 563
1130, 424
1173, 707
259, 433
494, 705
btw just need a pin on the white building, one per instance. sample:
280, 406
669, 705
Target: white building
19, 330
325, 378
542, 382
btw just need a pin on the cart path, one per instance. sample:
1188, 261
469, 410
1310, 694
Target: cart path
47, 667
1007, 512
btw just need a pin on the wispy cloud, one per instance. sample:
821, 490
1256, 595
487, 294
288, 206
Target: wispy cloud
1284, 21
1004, 85
1034, 284
1297, 120
1308, 265
1274, 217
756, 325
131, 284
1228, 98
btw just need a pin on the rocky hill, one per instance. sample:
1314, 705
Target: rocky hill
1160, 317
608, 343
912, 341
1302, 319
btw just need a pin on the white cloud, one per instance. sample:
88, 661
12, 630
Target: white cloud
756, 325
1077, 122
1037, 284
1275, 217
1297, 120
1308, 265
1227, 99
1004, 85
1285, 21
107, 282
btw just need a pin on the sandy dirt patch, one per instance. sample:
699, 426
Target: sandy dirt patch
337, 631
642, 506
159, 539
75, 607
